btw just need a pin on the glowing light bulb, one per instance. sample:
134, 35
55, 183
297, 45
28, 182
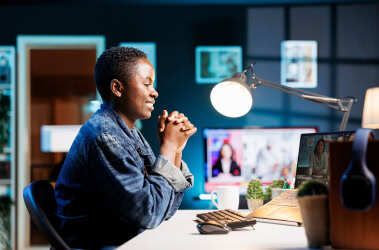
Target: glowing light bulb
231, 99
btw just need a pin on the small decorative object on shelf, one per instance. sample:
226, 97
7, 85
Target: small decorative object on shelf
313, 201
254, 195
4, 120
5, 208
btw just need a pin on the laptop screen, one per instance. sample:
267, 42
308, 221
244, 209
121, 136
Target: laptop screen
312, 161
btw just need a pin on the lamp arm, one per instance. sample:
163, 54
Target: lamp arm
307, 95
340, 104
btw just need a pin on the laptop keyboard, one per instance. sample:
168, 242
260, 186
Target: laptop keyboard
228, 217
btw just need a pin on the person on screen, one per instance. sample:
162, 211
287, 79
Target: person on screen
318, 160
111, 186
268, 163
225, 164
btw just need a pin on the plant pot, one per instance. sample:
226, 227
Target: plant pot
315, 212
253, 204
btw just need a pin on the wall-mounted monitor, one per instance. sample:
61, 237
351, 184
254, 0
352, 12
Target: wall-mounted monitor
234, 156
299, 64
58, 138
215, 63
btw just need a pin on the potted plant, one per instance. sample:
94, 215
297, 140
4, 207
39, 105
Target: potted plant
254, 194
5, 209
277, 187
268, 193
313, 201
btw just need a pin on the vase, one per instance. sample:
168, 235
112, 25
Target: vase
253, 204
315, 213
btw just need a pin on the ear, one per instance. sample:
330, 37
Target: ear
116, 88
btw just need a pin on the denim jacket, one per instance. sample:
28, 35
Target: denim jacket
112, 187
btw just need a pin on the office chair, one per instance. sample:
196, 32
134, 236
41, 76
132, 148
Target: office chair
40, 202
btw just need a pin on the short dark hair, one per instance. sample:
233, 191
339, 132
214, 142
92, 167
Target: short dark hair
115, 63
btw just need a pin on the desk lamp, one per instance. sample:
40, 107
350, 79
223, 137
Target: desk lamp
232, 96
370, 117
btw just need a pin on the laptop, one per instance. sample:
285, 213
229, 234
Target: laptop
312, 165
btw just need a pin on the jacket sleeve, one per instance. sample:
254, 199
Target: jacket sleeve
189, 179
122, 180
180, 179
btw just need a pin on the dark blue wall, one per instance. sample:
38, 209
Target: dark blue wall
176, 30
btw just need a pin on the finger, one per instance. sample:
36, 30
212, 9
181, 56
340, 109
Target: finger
181, 120
191, 131
162, 118
184, 128
173, 115
161, 126
187, 126
181, 117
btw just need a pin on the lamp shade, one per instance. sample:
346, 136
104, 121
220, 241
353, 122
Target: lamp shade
370, 117
232, 97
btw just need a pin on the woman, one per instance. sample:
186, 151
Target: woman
225, 163
318, 162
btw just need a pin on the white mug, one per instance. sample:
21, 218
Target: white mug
227, 197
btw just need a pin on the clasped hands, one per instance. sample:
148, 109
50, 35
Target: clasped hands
174, 129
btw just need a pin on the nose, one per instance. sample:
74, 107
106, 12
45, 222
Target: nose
154, 93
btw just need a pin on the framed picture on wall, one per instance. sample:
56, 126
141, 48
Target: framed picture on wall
215, 63
299, 64
150, 49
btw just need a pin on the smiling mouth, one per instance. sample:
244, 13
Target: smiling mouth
150, 105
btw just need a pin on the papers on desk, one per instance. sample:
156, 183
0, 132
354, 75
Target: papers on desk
284, 209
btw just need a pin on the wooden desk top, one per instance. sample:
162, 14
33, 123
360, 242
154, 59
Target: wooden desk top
180, 233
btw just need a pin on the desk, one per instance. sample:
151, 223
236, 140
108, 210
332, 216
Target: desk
180, 233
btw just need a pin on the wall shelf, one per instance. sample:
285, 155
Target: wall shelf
5, 181
4, 157
7, 155
5, 86
7, 150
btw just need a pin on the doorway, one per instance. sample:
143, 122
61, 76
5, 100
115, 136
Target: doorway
55, 86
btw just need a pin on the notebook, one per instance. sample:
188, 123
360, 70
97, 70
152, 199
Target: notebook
312, 165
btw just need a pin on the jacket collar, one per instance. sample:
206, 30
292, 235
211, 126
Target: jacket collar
136, 137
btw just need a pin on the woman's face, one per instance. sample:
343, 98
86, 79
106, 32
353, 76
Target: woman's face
320, 147
226, 152
139, 95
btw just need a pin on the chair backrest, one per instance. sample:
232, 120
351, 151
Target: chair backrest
40, 201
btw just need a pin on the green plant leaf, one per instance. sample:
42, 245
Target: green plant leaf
312, 188
255, 190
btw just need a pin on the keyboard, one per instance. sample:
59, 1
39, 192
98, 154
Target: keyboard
227, 217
